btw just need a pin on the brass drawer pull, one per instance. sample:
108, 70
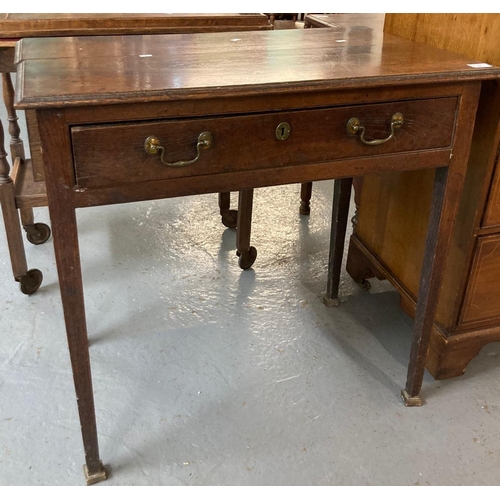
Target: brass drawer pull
152, 147
354, 127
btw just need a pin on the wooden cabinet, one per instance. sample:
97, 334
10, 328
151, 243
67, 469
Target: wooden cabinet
483, 290
388, 240
492, 213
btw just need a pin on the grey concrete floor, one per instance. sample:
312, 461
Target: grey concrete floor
208, 375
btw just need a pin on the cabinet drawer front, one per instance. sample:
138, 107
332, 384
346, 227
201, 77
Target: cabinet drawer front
482, 299
110, 155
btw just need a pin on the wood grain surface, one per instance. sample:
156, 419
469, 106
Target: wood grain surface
90, 70
41, 25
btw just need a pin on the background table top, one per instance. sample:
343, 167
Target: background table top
39, 25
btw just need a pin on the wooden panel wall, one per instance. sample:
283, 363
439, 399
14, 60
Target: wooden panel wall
473, 35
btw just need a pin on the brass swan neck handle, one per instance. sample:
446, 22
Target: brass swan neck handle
152, 146
354, 127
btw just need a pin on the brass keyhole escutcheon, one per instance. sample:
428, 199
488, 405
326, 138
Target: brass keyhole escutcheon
283, 131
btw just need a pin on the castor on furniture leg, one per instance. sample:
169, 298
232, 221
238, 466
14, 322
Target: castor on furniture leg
246, 253
229, 217
29, 280
36, 232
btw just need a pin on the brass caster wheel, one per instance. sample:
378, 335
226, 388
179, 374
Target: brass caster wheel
37, 233
365, 285
246, 259
31, 281
230, 219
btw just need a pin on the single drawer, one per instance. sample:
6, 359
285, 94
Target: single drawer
492, 214
114, 154
482, 299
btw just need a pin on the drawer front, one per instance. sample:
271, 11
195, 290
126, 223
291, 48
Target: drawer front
110, 155
492, 214
482, 299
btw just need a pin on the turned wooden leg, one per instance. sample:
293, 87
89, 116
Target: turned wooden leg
340, 214
29, 280
305, 198
16, 144
246, 253
36, 233
229, 217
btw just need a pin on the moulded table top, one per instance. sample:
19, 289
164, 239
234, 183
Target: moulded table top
137, 68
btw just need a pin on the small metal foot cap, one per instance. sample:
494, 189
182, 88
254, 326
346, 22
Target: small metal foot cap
410, 400
330, 302
96, 477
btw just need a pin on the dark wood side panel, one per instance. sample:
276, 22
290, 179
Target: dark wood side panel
492, 215
482, 300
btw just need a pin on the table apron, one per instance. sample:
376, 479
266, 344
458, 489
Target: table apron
235, 181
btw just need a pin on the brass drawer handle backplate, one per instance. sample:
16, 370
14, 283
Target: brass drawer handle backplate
152, 147
354, 127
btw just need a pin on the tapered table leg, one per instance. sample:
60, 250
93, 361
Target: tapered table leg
246, 253
447, 192
70, 281
340, 214
427, 295
57, 148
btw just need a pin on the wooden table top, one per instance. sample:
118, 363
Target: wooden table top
41, 25
138, 68
338, 21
